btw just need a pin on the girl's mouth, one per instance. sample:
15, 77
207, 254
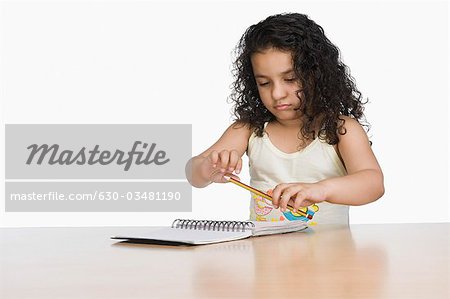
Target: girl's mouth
283, 106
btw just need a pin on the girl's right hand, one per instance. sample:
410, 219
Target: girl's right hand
219, 164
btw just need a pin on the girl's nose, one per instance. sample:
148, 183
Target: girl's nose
278, 91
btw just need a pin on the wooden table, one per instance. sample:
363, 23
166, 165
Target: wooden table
363, 261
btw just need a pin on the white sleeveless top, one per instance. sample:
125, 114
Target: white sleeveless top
270, 166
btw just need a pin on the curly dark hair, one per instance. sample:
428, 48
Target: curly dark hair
329, 91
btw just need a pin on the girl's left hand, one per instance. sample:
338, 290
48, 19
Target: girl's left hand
297, 195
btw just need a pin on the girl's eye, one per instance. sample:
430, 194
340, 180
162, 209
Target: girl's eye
263, 83
290, 79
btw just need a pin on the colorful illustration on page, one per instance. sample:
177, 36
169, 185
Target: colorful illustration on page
262, 209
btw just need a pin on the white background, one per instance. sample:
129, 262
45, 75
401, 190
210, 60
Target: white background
169, 62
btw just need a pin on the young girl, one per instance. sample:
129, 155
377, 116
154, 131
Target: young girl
298, 118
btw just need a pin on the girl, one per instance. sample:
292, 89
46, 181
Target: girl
299, 118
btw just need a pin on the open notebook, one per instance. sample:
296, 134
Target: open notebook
199, 232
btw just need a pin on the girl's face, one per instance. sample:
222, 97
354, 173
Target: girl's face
277, 84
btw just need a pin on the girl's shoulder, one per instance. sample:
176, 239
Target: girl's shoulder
350, 126
240, 129
351, 133
237, 135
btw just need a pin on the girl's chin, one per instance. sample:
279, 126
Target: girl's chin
287, 116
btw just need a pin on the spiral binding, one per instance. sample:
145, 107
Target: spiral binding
214, 225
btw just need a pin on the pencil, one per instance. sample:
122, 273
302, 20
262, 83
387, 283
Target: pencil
262, 194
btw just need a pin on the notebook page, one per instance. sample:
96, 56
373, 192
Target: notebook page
277, 227
189, 236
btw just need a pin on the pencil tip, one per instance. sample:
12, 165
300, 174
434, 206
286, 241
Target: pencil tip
226, 177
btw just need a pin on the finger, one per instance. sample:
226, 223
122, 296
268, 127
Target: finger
224, 158
276, 194
286, 197
291, 201
234, 158
307, 203
300, 199
214, 157
239, 166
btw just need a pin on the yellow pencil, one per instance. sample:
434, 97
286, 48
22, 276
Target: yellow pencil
262, 194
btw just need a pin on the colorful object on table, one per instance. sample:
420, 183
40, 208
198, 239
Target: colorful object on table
300, 216
304, 214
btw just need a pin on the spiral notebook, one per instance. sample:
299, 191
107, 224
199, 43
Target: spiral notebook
200, 232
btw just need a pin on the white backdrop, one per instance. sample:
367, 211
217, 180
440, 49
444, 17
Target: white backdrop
169, 62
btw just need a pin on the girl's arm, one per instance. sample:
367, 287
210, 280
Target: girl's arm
223, 157
362, 184
364, 180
